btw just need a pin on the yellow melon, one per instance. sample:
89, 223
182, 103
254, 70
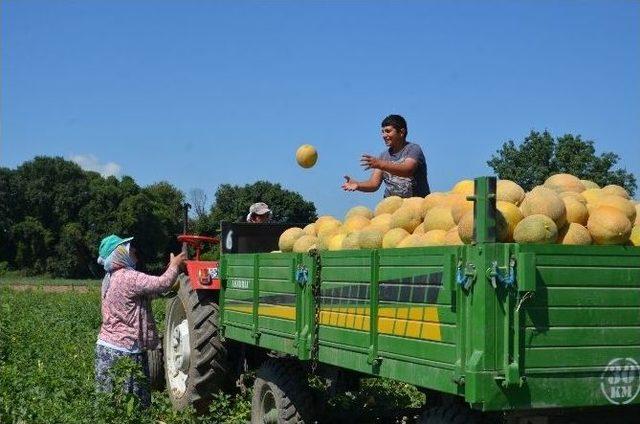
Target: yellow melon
564, 182
306, 156
434, 238
592, 194
438, 218
544, 201
350, 242
335, 242
452, 238
625, 206
406, 218
464, 188
575, 234
508, 191
589, 184
576, 211
359, 211
415, 203
434, 199
288, 238
536, 229
326, 236
310, 229
465, 228
355, 223
617, 190
413, 240
370, 239
634, 238
572, 194
511, 214
326, 226
459, 208
382, 222
608, 225
305, 243
388, 205
393, 237
419, 229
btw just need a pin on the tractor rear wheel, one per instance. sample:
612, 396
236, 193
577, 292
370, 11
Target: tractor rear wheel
196, 364
450, 413
156, 368
281, 394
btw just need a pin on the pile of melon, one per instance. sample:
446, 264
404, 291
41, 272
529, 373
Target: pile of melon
564, 210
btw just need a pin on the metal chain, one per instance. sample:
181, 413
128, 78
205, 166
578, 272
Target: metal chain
315, 291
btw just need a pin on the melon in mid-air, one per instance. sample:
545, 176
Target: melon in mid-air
306, 156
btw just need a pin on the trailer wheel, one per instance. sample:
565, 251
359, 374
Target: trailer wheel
156, 368
451, 413
196, 364
281, 394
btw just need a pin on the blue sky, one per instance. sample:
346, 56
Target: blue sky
202, 93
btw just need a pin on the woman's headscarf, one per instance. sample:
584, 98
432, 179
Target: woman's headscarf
118, 259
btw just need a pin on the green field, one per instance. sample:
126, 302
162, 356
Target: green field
46, 372
13, 277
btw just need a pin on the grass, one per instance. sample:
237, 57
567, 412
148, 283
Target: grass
47, 343
17, 278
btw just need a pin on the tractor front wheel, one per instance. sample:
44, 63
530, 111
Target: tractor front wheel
196, 364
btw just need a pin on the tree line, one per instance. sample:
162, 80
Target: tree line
53, 215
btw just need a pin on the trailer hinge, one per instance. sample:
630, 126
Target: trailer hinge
372, 358
512, 377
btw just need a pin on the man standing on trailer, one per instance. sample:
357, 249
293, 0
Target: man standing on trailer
402, 166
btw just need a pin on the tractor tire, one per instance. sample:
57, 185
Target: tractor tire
281, 394
450, 413
155, 360
196, 364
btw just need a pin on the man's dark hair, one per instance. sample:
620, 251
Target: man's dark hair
397, 122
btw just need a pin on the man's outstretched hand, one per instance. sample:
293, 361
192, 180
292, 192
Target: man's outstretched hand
349, 184
370, 162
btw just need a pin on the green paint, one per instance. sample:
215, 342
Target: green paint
543, 343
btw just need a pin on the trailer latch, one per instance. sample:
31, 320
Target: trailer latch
496, 276
302, 275
465, 276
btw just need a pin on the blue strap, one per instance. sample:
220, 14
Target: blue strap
302, 275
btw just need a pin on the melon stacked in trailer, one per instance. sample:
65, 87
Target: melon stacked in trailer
563, 210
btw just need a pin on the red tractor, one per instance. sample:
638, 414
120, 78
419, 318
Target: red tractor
194, 362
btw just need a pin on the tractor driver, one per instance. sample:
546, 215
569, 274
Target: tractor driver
402, 166
259, 213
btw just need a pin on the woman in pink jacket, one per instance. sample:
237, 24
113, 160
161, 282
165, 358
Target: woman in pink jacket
128, 328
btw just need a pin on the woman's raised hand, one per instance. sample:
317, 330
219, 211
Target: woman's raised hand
177, 260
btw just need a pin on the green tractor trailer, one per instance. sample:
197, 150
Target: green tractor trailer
491, 332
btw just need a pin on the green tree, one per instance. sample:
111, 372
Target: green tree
232, 203
74, 256
33, 243
540, 155
7, 214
